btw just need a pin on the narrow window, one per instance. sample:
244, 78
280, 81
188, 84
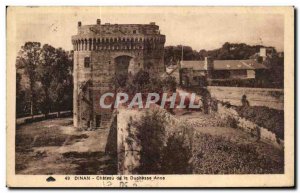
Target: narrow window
87, 62
98, 120
134, 31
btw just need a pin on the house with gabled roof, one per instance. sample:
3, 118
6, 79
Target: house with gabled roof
219, 72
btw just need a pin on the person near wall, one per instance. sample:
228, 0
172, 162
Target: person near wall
245, 102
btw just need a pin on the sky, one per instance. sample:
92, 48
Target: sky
198, 28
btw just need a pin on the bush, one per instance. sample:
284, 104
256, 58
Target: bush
214, 104
162, 153
142, 82
271, 119
218, 155
151, 134
176, 155
231, 122
169, 83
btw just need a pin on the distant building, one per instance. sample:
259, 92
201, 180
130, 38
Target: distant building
196, 73
266, 52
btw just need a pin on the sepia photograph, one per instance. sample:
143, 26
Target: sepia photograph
150, 96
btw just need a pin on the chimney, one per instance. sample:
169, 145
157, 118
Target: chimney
209, 66
263, 53
98, 21
79, 23
208, 63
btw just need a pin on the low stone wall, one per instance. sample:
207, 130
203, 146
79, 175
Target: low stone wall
273, 98
41, 117
250, 127
129, 147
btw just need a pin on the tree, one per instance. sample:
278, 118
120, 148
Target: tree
45, 73
20, 96
202, 54
173, 54
61, 91
28, 59
232, 51
276, 70
47, 81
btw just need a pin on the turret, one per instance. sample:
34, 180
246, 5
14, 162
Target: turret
98, 21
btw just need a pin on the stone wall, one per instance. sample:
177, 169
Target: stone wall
272, 98
250, 127
129, 146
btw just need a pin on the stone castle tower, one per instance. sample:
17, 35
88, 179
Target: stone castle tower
103, 52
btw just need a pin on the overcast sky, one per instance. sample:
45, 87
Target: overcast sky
196, 28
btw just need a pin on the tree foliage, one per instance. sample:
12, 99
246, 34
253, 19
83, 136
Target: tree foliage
229, 51
27, 61
173, 54
142, 82
49, 74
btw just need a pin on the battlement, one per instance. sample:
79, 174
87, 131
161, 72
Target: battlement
117, 36
118, 29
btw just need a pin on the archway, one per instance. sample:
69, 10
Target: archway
124, 69
124, 65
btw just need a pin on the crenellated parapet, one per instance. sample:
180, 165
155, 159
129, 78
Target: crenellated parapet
118, 43
118, 37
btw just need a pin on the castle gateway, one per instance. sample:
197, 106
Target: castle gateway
103, 52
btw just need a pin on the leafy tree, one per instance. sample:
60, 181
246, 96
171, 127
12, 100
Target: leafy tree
202, 54
20, 96
232, 51
50, 82
45, 72
28, 59
276, 67
61, 86
173, 54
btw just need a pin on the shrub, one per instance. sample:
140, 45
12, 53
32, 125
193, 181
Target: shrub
176, 155
271, 119
162, 153
214, 104
218, 155
151, 133
228, 121
169, 83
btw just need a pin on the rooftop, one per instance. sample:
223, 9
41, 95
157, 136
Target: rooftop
225, 65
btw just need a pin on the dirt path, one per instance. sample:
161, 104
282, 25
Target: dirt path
55, 147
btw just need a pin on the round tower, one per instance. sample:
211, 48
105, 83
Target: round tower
105, 51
